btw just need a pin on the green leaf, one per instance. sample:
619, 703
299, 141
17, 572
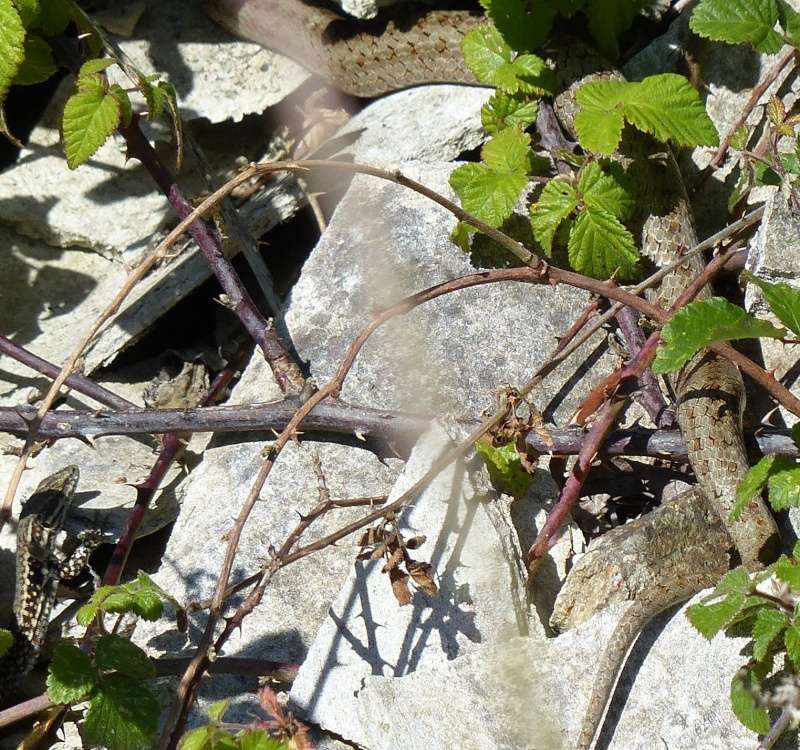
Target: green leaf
115, 652
90, 117
523, 25
528, 74
788, 571
789, 19
710, 619
796, 550
784, 484
217, 710
71, 675
738, 21
96, 65
54, 15
164, 93
783, 300
6, 639
701, 323
122, 715
751, 485
557, 201
508, 110
489, 195
604, 191
258, 739
196, 739
125, 108
744, 703
600, 246
791, 639
507, 151
609, 19
12, 45
28, 11
38, 64
736, 581
505, 468
769, 624
667, 106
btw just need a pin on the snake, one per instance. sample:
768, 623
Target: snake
389, 53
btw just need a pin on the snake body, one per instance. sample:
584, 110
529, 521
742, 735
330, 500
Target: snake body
390, 55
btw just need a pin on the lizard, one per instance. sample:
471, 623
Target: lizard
384, 55
40, 569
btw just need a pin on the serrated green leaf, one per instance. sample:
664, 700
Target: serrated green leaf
523, 25
751, 485
789, 19
258, 739
125, 108
769, 624
665, 105
532, 74
28, 11
710, 619
739, 138
783, 300
508, 110
738, 21
788, 571
461, 236
115, 652
557, 201
54, 15
6, 639
87, 613
791, 639
169, 98
608, 19
744, 704
790, 162
489, 195
485, 52
604, 191
505, 468
217, 710
600, 246
507, 151
702, 323
196, 739
71, 675
736, 581
38, 64
765, 175
12, 45
90, 117
122, 715
784, 484
96, 65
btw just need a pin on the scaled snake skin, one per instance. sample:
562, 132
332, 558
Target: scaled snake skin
381, 56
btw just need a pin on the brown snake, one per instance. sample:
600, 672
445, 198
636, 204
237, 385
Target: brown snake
382, 56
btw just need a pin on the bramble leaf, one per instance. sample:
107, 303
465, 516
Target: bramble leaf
216, 711
115, 652
90, 117
735, 581
489, 195
791, 639
523, 25
788, 571
54, 16
507, 151
602, 190
6, 639
28, 11
95, 65
258, 739
71, 675
709, 619
784, 484
783, 300
507, 110
769, 624
702, 323
12, 45
600, 246
608, 19
744, 704
751, 485
665, 105
125, 108
38, 64
738, 21
122, 715
557, 201
505, 468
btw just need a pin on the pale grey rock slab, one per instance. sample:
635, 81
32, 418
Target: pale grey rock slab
215, 75
481, 596
297, 601
385, 242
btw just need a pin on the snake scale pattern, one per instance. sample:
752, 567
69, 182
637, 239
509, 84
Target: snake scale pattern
385, 55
